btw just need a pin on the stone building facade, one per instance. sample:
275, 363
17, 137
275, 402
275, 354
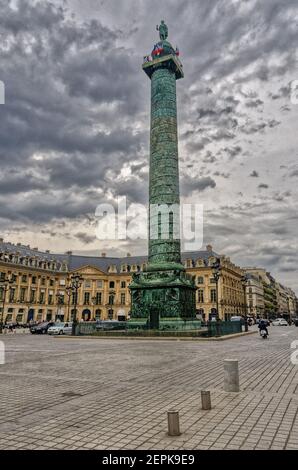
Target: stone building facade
40, 279
254, 295
278, 300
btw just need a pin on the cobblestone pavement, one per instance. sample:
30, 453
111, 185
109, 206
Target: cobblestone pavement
114, 394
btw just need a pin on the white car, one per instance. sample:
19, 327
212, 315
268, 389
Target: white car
56, 329
67, 330
280, 322
237, 318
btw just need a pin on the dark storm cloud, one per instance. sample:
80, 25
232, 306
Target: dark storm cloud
85, 237
209, 158
254, 103
189, 184
65, 98
233, 151
283, 92
77, 109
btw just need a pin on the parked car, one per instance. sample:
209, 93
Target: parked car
56, 329
67, 329
280, 322
237, 318
41, 328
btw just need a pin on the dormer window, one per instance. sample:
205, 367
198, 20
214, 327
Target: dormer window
124, 268
200, 262
211, 261
112, 268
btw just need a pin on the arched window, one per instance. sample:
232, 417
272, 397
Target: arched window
97, 314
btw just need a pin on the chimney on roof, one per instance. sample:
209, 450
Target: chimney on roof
128, 255
47, 251
69, 253
103, 255
35, 248
209, 248
19, 244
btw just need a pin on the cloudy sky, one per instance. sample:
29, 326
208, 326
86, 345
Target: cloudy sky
74, 130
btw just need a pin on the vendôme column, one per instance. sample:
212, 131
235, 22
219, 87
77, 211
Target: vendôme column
163, 291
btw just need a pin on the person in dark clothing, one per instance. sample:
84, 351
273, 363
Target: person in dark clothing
263, 326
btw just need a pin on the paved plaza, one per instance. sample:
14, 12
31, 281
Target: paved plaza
114, 393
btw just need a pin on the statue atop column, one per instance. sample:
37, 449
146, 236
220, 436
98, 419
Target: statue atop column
163, 30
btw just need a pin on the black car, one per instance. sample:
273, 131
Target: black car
41, 328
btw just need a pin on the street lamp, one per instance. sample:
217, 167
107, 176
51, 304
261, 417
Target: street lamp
110, 303
94, 302
216, 268
244, 284
75, 282
5, 284
68, 291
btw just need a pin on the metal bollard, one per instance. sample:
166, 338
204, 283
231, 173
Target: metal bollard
206, 400
173, 423
231, 375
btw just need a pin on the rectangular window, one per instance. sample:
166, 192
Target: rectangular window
41, 297
60, 298
213, 295
50, 299
43, 281
14, 277
12, 295
51, 282
112, 285
201, 296
200, 280
122, 298
32, 296
123, 284
24, 278
87, 284
212, 280
99, 284
22, 294
98, 298
87, 298
33, 279
62, 282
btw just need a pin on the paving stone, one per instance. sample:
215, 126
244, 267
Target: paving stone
109, 394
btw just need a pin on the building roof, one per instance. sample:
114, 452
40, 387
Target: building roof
74, 261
